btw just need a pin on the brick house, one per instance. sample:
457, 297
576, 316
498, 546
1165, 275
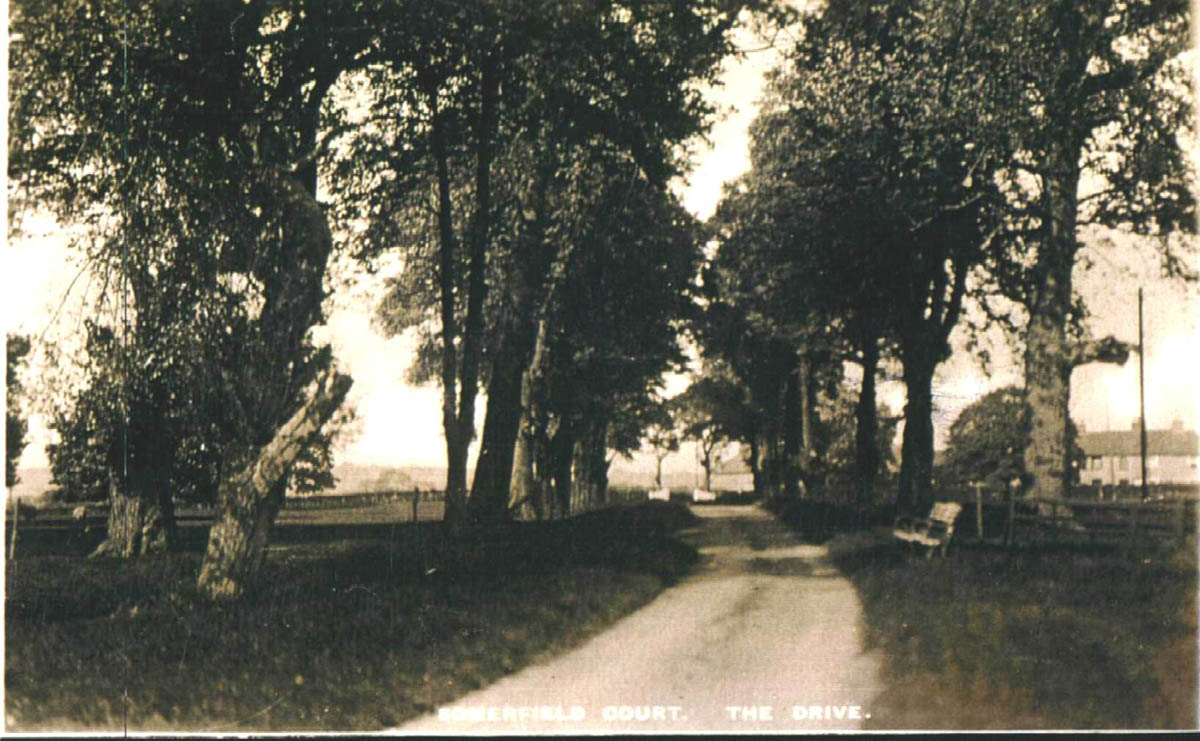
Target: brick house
1113, 457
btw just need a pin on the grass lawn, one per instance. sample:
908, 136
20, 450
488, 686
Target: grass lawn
346, 633
1046, 638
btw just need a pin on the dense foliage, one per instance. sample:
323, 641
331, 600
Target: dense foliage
987, 443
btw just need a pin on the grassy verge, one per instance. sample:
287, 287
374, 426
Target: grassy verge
346, 633
1046, 638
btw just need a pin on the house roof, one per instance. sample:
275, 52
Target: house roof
1174, 442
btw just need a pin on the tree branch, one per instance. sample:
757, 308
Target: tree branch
1106, 350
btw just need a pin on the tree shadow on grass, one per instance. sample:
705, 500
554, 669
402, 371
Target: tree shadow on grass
348, 629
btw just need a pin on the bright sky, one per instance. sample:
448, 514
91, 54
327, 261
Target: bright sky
401, 425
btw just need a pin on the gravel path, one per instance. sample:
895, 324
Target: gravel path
764, 635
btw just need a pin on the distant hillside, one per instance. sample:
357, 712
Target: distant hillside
355, 478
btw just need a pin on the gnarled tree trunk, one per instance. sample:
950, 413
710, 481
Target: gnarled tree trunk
591, 466
524, 495
251, 496
589, 482
139, 523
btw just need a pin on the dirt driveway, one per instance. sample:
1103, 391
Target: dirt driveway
765, 635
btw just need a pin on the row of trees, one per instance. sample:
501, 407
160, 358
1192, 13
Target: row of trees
912, 155
915, 156
212, 156
717, 410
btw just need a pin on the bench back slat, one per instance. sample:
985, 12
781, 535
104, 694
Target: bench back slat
946, 512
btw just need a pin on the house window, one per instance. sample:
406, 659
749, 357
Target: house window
1096, 462
1123, 463
1152, 461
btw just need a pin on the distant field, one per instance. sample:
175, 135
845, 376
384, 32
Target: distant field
350, 478
353, 478
33, 483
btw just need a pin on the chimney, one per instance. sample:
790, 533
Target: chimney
1177, 425
1136, 424
1080, 427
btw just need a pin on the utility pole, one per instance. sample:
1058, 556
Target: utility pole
1142, 397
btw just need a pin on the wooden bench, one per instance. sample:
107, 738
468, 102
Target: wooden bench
933, 532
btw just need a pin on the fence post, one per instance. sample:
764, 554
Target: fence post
16, 508
416, 503
978, 511
1009, 530
1180, 518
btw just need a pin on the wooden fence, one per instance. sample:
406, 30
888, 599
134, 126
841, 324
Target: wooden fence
1000, 516
1129, 522
399, 506
373, 507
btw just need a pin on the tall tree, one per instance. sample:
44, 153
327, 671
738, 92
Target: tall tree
764, 306
613, 330
190, 160
888, 97
733, 338
797, 258
662, 437
1101, 101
